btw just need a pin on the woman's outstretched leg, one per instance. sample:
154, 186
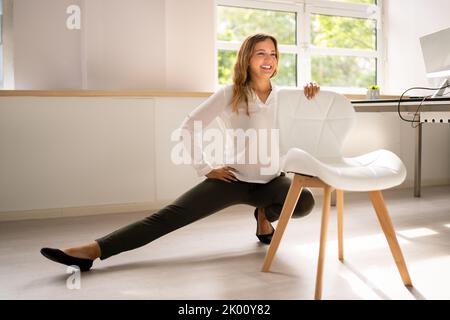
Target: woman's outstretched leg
204, 199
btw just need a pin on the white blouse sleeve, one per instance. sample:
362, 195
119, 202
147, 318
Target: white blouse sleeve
201, 116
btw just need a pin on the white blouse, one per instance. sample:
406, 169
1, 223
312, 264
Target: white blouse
257, 157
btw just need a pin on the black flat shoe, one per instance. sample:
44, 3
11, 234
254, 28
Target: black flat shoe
61, 257
264, 238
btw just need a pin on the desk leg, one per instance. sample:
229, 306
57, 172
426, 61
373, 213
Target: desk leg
418, 161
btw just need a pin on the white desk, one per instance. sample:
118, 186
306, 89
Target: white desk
410, 105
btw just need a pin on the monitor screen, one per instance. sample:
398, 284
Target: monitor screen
436, 53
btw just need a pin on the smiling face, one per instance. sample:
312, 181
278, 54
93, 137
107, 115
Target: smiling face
263, 61
256, 63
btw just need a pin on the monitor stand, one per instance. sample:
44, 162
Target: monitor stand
440, 92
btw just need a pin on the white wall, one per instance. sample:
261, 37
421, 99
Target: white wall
190, 51
406, 21
122, 45
46, 54
85, 152
72, 152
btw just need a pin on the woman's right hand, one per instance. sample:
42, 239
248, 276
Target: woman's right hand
311, 90
223, 173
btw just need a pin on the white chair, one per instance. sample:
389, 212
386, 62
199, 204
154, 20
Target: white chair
312, 132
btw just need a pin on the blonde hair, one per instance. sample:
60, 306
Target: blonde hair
241, 75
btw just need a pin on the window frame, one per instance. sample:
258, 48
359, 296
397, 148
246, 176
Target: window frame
303, 48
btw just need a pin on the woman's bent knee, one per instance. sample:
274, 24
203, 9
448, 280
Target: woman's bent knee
305, 204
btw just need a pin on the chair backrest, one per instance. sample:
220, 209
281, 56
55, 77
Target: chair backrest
318, 126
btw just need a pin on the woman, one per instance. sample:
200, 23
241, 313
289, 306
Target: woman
250, 103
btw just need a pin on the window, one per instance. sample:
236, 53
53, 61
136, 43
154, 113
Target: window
334, 42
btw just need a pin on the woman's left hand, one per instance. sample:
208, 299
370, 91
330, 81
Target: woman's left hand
311, 89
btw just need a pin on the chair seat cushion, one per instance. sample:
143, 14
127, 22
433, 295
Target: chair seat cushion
376, 170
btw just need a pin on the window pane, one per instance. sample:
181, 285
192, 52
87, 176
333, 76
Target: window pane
343, 32
235, 24
287, 69
339, 71
226, 61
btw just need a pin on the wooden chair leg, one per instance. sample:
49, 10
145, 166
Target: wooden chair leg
288, 208
386, 224
340, 222
323, 241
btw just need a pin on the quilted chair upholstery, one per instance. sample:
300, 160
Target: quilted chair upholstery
312, 133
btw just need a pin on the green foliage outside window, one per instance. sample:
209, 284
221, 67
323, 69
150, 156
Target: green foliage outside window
235, 24
343, 32
337, 71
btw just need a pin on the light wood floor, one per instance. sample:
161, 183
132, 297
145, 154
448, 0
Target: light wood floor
220, 258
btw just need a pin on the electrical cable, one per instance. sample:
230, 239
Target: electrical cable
417, 113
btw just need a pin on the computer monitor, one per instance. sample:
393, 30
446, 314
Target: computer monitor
436, 54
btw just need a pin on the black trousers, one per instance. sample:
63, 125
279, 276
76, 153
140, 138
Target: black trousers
206, 198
